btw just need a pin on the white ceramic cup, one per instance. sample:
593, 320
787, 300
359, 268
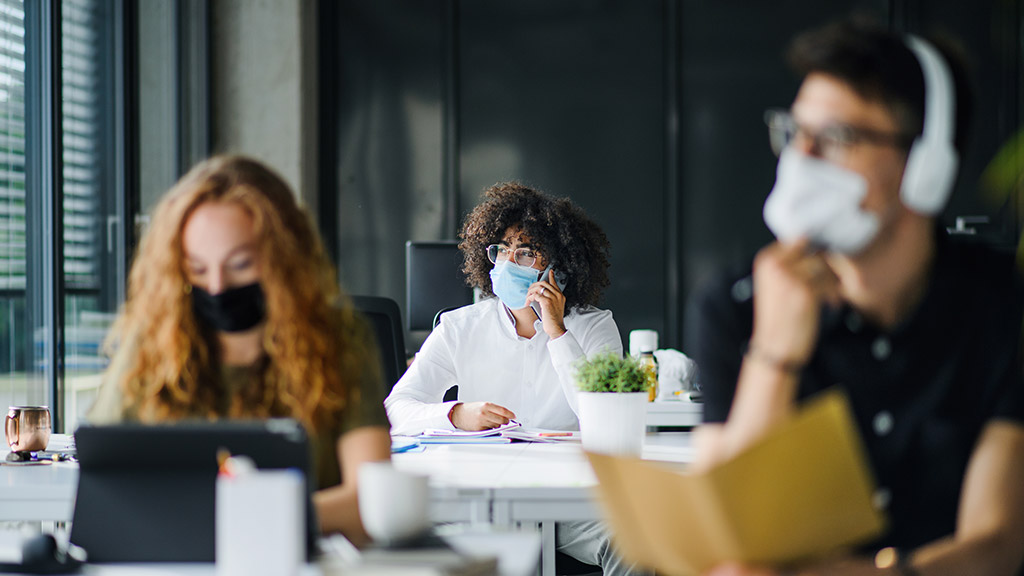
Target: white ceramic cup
393, 504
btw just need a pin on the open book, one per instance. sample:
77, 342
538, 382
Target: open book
802, 492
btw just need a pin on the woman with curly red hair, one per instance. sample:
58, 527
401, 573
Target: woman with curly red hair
233, 311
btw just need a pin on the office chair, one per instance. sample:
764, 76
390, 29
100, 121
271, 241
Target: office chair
566, 565
384, 317
437, 317
433, 281
453, 392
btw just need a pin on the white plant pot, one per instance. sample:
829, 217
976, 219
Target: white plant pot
613, 423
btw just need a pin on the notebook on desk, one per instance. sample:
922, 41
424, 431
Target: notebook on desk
146, 493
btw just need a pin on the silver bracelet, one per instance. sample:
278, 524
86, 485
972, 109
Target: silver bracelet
782, 364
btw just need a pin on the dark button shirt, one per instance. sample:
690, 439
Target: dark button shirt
921, 393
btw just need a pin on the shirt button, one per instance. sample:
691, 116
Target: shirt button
743, 289
881, 498
881, 348
883, 423
853, 322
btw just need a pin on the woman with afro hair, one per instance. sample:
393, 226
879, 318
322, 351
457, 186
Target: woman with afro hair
543, 265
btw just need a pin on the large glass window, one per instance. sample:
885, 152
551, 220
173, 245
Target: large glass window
79, 305
19, 382
90, 221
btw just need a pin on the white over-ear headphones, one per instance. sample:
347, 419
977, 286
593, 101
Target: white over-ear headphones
932, 162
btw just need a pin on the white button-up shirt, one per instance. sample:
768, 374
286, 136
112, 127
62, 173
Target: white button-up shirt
477, 348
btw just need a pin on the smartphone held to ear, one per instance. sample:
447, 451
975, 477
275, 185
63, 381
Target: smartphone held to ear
560, 281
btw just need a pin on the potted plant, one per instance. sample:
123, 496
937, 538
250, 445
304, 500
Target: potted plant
612, 404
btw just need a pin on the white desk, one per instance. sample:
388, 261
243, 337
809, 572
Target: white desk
38, 493
513, 484
503, 484
681, 413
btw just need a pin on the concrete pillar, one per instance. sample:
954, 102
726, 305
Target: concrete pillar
264, 88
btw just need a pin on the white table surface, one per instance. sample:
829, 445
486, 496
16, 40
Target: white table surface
503, 484
467, 480
526, 464
675, 413
38, 492
457, 472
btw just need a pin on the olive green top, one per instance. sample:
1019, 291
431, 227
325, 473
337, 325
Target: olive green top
365, 408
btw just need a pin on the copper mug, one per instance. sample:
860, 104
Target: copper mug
28, 428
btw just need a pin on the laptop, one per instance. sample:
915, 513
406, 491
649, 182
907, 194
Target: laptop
146, 493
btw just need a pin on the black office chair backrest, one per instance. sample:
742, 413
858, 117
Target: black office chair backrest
433, 281
452, 393
437, 317
383, 315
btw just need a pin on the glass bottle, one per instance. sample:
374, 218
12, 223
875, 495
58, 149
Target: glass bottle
650, 367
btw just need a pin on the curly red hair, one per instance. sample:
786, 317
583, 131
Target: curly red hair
311, 344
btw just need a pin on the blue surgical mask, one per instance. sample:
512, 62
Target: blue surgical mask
510, 281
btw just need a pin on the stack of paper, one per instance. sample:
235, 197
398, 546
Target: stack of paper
442, 436
802, 492
500, 435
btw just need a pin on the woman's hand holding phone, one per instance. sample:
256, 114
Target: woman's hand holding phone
547, 300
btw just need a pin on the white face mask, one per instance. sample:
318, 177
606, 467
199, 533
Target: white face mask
821, 201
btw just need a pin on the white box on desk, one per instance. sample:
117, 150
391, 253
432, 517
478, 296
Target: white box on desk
260, 523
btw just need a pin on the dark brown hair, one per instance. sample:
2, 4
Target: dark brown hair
878, 66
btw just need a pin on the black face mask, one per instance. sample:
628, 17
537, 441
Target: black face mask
233, 310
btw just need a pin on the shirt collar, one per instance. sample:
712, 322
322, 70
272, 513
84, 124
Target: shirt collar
936, 290
508, 321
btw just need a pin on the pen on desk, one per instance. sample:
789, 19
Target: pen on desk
552, 434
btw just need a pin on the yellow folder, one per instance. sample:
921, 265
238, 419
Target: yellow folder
803, 491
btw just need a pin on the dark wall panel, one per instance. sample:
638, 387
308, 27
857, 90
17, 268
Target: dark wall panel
989, 37
647, 113
383, 132
728, 81
568, 96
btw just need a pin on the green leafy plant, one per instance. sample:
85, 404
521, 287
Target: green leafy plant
610, 372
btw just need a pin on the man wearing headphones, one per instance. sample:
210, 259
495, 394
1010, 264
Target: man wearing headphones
862, 290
